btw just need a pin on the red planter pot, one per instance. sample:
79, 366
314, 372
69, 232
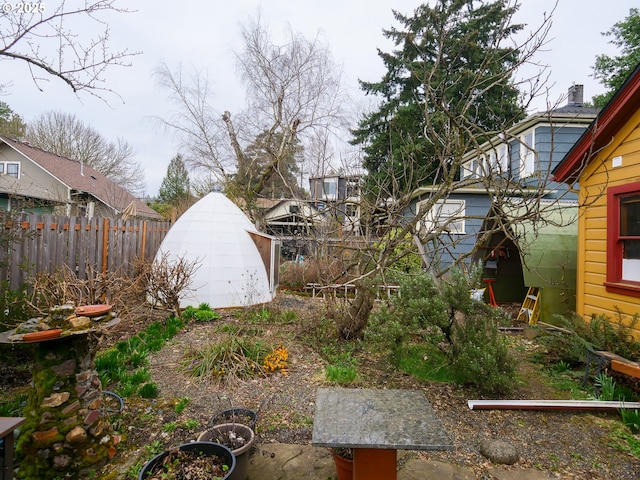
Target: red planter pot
344, 467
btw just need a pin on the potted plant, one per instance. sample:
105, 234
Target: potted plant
343, 458
238, 438
195, 460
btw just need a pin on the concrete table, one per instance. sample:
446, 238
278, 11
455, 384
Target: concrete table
7, 426
375, 424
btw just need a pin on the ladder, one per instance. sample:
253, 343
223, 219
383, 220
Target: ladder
530, 310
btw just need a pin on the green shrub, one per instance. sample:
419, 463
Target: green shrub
424, 361
340, 374
480, 356
181, 405
204, 313
14, 307
442, 316
599, 333
207, 315
149, 390
631, 418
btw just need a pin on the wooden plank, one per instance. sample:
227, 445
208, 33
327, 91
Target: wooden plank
627, 367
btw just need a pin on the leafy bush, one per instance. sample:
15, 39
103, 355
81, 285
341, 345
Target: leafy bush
598, 333
442, 316
204, 313
480, 356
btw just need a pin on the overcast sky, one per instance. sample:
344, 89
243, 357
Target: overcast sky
203, 35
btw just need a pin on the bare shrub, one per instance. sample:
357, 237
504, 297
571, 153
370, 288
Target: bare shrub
63, 285
168, 281
324, 271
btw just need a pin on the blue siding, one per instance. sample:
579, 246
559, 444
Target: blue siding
552, 144
451, 247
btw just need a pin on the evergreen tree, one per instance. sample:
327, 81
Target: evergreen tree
175, 187
11, 123
613, 71
445, 88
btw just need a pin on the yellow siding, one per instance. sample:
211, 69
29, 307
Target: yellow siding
592, 297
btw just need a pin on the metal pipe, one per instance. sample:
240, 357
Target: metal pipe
549, 405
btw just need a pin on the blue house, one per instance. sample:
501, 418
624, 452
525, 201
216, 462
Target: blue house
513, 169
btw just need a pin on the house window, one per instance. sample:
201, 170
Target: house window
294, 209
353, 188
11, 169
479, 167
351, 210
503, 158
447, 215
330, 190
527, 154
623, 239
467, 169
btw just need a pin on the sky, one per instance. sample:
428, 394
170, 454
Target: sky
203, 35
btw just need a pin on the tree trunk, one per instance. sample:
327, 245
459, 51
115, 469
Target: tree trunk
352, 325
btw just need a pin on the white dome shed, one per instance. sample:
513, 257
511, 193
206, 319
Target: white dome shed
238, 265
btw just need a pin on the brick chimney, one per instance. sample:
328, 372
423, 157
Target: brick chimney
575, 95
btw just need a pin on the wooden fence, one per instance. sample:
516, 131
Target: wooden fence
47, 243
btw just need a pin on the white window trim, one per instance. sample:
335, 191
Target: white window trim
430, 219
503, 158
467, 169
6, 164
527, 154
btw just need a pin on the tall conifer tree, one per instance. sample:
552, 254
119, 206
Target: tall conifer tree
445, 89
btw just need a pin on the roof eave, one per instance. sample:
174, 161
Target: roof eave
612, 117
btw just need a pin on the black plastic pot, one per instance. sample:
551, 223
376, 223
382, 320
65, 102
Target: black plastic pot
202, 448
243, 416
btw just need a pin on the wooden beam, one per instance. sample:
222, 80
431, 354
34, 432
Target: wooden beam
628, 368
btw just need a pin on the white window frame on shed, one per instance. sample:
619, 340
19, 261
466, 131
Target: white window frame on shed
444, 212
527, 154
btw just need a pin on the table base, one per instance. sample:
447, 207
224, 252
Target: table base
374, 464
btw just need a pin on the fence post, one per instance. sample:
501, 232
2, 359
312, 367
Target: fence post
105, 244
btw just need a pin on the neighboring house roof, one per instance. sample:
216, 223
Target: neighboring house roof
83, 179
478, 188
602, 130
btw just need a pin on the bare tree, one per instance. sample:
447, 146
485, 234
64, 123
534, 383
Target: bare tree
65, 135
47, 38
293, 90
450, 76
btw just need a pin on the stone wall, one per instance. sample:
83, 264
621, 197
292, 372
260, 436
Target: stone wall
65, 429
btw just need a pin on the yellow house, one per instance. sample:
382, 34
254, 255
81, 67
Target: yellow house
605, 166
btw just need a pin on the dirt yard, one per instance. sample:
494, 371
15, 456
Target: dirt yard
563, 444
